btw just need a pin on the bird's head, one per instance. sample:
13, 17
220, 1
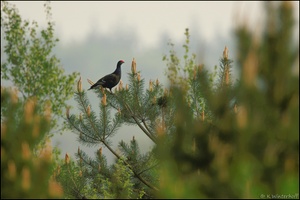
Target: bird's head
120, 62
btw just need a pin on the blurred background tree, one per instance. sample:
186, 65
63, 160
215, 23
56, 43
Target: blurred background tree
30, 111
26, 166
249, 144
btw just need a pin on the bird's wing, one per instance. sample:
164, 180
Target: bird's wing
111, 78
101, 81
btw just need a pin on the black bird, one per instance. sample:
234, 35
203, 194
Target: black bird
111, 80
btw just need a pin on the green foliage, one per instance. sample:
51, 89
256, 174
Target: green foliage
26, 168
120, 185
69, 174
29, 62
176, 73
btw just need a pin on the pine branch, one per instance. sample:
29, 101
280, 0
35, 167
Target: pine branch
104, 118
114, 127
81, 100
118, 156
130, 167
80, 132
72, 179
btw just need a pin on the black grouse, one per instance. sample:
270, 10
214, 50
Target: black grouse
111, 80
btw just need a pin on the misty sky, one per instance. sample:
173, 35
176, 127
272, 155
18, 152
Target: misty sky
74, 20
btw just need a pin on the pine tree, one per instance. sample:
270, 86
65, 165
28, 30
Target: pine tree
131, 104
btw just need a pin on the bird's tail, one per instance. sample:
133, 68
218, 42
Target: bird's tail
92, 84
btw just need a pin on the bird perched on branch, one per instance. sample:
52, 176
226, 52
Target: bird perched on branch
111, 80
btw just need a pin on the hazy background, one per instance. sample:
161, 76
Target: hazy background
95, 35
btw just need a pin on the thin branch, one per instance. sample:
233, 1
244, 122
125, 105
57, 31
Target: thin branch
146, 126
112, 129
139, 124
86, 162
148, 168
135, 119
145, 131
104, 122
